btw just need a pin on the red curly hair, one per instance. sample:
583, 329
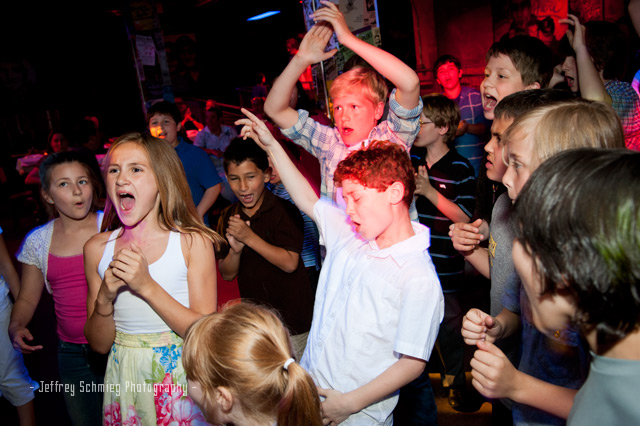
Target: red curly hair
379, 166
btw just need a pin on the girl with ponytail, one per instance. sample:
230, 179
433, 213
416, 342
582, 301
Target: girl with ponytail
240, 370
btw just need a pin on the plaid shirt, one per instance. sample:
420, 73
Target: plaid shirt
325, 143
627, 105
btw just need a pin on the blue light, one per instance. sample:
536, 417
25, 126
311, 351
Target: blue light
264, 15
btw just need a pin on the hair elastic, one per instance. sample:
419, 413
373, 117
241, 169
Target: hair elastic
287, 363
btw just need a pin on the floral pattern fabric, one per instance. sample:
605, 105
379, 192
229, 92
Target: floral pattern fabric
145, 383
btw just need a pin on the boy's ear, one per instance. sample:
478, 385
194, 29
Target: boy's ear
379, 110
535, 85
443, 130
267, 174
396, 192
460, 74
179, 126
224, 399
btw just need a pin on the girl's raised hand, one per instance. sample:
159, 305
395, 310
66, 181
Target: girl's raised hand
255, 129
130, 265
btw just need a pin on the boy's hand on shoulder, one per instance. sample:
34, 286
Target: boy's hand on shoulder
423, 186
478, 326
492, 373
335, 407
466, 236
331, 13
239, 229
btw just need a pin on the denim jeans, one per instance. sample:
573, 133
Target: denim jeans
82, 370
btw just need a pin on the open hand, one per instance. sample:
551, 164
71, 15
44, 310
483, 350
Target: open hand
575, 36
331, 13
312, 46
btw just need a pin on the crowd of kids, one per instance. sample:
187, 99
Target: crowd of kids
345, 295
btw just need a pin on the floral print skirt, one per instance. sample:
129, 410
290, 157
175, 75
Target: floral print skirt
145, 383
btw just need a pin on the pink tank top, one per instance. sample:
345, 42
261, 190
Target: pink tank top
69, 290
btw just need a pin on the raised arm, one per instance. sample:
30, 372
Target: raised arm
298, 187
401, 75
338, 406
591, 84
311, 51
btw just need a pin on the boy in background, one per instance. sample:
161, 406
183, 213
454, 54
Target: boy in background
551, 367
472, 127
358, 97
165, 122
310, 247
265, 235
445, 186
516, 64
577, 250
379, 303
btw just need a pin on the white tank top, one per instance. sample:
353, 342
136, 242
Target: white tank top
131, 313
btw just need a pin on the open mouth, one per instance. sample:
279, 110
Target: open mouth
570, 80
347, 131
489, 102
247, 199
127, 201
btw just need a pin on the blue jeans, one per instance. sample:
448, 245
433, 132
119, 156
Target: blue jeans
82, 370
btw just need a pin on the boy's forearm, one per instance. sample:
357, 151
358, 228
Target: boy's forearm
230, 265
509, 321
476, 129
208, 199
447, 207
544, 396
591, 85
276, 105
297, 186
479, 259
277, 256
404, 78
402, 372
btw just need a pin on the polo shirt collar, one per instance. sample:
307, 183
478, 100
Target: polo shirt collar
405, 250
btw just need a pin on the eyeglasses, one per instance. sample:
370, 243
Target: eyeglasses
423, 123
